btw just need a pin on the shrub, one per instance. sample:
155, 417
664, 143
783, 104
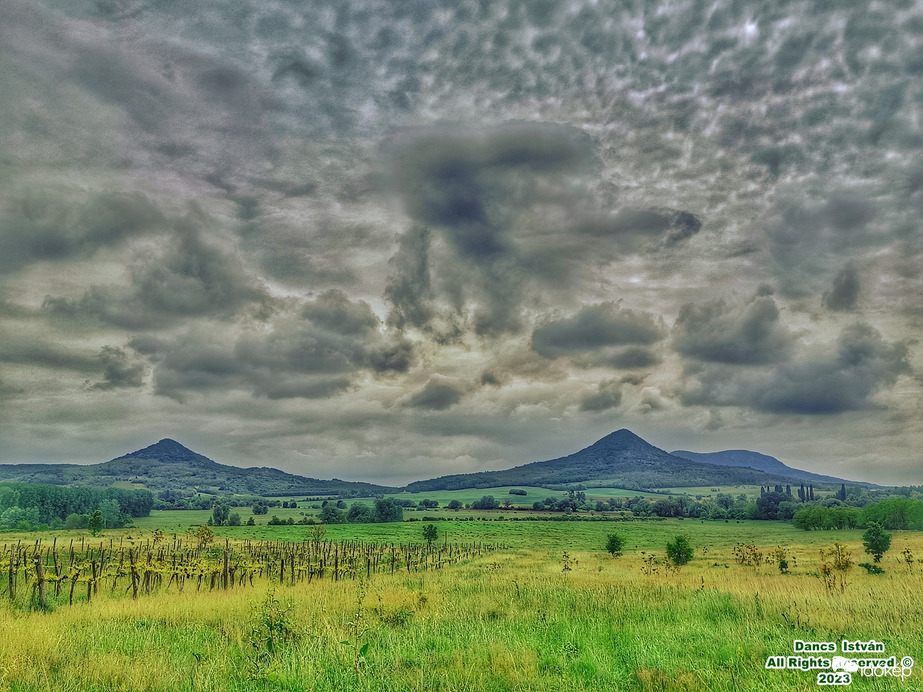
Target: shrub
614, 544
877, 541
679, 550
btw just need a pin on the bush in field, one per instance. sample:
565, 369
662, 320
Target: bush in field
272, 631
877, 541
486, 502
614, 544
454, 504
679, 550
838, 563
203, 535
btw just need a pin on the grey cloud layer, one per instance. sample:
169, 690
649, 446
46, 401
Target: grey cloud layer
860, 364
437, 229
724, 333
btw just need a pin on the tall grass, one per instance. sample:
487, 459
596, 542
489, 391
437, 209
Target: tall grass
513, 620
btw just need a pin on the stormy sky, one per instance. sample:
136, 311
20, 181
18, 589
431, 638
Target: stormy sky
388, 240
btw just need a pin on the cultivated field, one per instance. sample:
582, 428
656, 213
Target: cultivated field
550, 610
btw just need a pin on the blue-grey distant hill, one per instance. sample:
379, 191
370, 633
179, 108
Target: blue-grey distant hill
621, 460
761, 462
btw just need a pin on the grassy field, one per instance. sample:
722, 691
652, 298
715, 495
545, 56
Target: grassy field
512, 620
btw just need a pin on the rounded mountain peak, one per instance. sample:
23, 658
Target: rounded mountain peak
170, 452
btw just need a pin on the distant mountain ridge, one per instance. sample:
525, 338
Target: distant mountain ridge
761, 462
620, 459
168, 465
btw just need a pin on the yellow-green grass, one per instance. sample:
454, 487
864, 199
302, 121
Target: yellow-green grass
487, 526
513, 620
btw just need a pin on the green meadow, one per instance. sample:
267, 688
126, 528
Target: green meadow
549, 610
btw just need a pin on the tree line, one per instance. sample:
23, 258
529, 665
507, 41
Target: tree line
901, 513
30, 506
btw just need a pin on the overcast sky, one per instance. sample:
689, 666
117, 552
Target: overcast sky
386, 240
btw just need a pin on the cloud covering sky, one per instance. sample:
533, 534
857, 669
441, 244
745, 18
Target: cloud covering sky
385, 241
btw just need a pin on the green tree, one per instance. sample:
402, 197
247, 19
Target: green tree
614, 544
679, 550
877, 541
486, 502
430, 533
112, 514
97, 522
77, 521
220, 514
360, 513
387, 509
332, 515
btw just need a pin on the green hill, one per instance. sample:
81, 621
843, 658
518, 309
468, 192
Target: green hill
621, 459
168, 465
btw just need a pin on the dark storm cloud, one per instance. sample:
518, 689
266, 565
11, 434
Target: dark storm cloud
845, 291
607, 396
119, 369
190, 278
409, 287
631, 358
471, 183
806, 240
56, 224
312, 353
721, 332
596, 327
36, 351
436, 395
635, 229
474, 187
862, 364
